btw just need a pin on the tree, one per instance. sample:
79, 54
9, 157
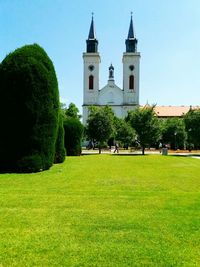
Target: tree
100, 125
124, 132
173, 132
73, 136
146, 125
73, 130
29, 106
192, 126
60, 151
72, 111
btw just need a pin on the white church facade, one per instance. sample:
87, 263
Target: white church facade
121, 100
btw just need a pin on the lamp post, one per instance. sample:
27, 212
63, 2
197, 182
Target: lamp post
175, 140
189, 139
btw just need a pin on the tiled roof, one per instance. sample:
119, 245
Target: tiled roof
173, 111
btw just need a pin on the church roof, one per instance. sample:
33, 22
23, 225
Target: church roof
92, 34
131, 31
131, 41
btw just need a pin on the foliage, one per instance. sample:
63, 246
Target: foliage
192, 125
125, 134
73, 136
146, 125
31, 163
103, 211
100, 125
72, 111
60, 151
173, 132
29, 104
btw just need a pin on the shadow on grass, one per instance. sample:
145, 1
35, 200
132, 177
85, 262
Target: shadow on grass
8, 170
113, 154
90, 154
130, 155
187, 155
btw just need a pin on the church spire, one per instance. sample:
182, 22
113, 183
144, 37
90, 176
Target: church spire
131, 31
131, 41
92, 42
92, 31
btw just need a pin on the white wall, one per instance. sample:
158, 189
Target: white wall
111, 94
90, 96
131, 96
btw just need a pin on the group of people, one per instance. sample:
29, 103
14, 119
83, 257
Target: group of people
92, 146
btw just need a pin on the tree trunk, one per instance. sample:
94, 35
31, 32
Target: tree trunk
99, 150
143, 149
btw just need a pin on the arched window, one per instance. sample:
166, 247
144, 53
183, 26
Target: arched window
91, 82
131, 82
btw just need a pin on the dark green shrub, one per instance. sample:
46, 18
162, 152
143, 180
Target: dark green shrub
32, 163
60, 152
29, 104
73, 136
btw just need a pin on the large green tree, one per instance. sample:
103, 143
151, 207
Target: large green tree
173, 132
124, 133
100, 125
146, 125
192, 125
29, 107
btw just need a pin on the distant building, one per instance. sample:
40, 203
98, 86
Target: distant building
173, 111
120, 99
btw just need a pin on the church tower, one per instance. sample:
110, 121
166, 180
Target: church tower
131, 67
91, 61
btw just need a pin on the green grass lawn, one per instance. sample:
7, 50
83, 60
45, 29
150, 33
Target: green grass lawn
103, 210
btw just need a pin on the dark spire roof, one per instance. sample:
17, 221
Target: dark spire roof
92, 34
111, 72
131, 41
111, 67
131, 31
92, 42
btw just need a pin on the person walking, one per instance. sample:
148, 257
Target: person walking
116, 148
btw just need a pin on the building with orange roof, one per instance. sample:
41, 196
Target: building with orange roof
173, 111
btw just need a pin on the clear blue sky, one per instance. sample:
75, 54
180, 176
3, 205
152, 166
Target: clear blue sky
168, 33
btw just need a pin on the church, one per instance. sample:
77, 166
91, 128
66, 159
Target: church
121, 100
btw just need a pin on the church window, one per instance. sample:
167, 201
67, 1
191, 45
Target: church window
131, 67
91, 82
131, 82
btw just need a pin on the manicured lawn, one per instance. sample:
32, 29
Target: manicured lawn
103, 211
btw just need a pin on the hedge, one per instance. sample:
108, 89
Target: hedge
29, 106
